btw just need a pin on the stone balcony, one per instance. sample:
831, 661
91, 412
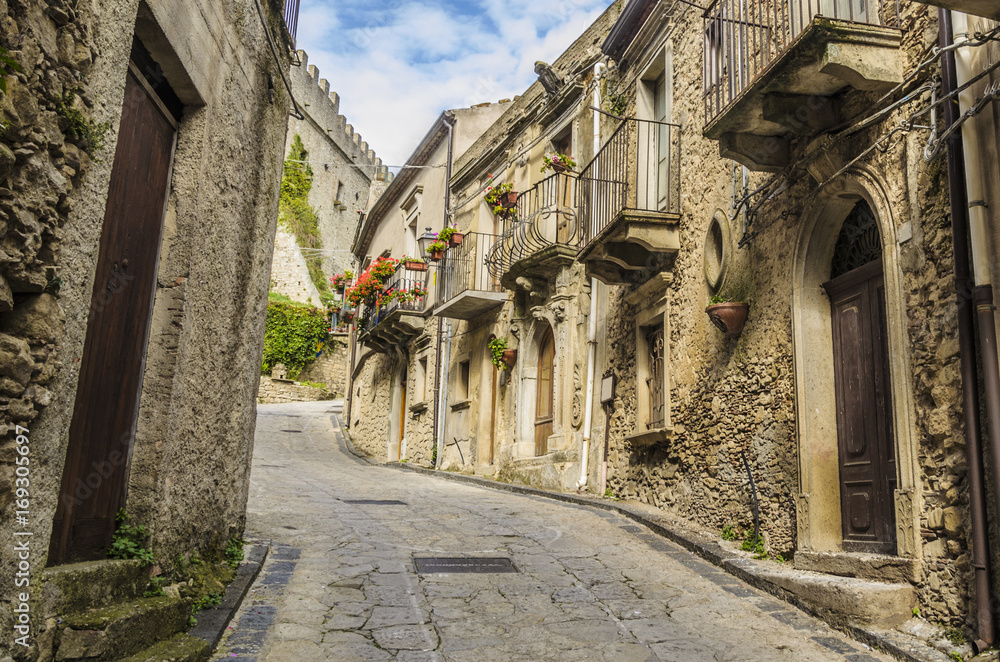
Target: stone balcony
397, 322
629, 201
541, 236
777, 70
466, 289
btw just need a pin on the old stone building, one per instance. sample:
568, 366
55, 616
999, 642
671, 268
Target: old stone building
140, 163
788, 169
343, 168
395, 371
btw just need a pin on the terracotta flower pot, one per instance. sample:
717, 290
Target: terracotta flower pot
509, 357
729, 317
416, 266
437, 255
455, 239
558, 166
508, 199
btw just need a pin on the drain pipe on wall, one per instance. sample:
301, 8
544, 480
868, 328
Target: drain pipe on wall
957, 158
981, 263
588, 408
442, 372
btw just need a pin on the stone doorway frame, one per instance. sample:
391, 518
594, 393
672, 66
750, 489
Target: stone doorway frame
818, 511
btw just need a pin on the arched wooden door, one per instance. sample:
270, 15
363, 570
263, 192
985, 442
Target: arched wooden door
545, 393
863, 394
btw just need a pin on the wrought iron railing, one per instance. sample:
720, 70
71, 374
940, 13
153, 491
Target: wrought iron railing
403, 280
637, 169
743, 38
464, 267
545, 215
291, 15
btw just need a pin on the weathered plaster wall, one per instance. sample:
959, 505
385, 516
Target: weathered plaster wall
331, 366
191, 458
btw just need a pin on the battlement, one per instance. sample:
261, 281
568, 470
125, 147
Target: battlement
322, 106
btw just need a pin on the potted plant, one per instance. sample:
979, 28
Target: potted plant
347, 316
437, 249
729, 316
339, 282
558, 162
502, 200
451, 234
499, 354
414, 263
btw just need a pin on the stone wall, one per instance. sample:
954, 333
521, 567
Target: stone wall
190, 463
289, 272
331, 366
275, 391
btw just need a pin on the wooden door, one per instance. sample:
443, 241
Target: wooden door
402, 415
545, 393
95, 476
864, 410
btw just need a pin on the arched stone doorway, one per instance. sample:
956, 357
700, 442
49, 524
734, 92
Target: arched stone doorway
862, 386
545, 392
824, 504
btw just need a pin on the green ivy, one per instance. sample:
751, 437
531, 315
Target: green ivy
129, 541
294, 334
297, 215
88, 133
8, 66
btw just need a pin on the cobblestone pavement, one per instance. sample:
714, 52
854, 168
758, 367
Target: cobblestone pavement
340, 583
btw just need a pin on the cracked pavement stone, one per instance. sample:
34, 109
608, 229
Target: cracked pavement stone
339, 583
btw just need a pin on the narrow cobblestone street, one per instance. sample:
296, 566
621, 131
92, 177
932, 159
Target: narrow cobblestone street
340, 582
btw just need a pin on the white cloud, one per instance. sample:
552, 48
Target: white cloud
397, 64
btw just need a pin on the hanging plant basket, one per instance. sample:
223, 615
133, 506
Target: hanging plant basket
455, 239
436, 255
558, 167
508, 199
729, 317
509, 357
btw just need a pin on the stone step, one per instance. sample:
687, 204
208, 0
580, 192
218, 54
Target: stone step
179, 648
81, 586
114, 633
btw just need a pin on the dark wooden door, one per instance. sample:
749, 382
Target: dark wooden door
402, 415
95, 476
544, 393
864, 410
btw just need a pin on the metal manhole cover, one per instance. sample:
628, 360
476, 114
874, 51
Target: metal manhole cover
436, 564
375, 502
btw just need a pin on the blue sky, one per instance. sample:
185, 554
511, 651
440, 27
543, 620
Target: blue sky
398, 63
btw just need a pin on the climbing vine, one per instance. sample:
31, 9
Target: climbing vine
294, 335
298, 216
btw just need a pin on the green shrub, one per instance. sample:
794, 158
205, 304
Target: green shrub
294, 334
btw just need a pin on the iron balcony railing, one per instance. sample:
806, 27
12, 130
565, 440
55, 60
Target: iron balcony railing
403, 280
744, 37
464, 267
637, 169
291, 15
545, 215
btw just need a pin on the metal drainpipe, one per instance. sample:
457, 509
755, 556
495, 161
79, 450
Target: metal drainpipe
967, 346
588, 407
438, 421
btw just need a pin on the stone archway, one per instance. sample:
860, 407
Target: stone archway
818, 503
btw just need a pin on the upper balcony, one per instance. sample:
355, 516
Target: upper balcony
290, 13
401, 315
775, 70
985, 8
466, 289
542, 234
629, 201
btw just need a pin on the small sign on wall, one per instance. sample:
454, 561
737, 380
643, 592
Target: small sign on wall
608, 389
